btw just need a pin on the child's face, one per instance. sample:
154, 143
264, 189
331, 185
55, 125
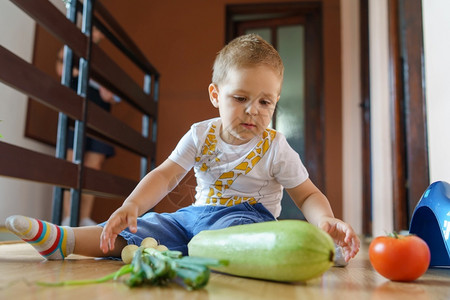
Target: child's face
246, 100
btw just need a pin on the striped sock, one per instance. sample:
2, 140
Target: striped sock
51, 241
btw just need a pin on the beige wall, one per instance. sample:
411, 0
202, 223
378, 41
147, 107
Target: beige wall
382, 205
436, 26
18, 196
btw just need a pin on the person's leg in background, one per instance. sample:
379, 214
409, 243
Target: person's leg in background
92, 160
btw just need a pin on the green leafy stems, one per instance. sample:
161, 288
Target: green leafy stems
152, 267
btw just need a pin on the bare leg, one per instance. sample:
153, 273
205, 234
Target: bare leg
87, 242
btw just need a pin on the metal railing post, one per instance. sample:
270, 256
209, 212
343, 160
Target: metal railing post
61, 140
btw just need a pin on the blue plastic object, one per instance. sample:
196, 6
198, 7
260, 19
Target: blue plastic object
431, 222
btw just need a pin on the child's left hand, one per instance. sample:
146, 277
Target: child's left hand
343, 235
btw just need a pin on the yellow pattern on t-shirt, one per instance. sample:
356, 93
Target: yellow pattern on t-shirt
216, 191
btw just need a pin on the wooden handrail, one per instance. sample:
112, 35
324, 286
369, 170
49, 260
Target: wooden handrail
28, 79
49, 17
107, 71
104, 184
103, 68
18, 162
26, 164
105, 124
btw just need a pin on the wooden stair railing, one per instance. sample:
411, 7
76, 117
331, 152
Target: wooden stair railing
26, 164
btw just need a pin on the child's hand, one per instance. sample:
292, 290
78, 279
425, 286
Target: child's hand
343, 235
125, 216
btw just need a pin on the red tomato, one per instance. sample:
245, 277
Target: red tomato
399, 258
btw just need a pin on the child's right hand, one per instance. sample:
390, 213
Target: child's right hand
125, 216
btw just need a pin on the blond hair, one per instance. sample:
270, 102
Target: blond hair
246, 51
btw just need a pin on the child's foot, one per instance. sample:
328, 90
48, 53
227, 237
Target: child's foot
51, 241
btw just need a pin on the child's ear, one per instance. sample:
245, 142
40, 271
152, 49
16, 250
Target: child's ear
214, 94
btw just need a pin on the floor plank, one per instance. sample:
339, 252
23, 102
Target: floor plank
21, 267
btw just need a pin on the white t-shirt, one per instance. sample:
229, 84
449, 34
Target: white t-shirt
255, 172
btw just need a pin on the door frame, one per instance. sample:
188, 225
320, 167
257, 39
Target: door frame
366, 120
408, 105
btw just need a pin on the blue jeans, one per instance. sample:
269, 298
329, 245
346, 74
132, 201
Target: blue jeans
175, 230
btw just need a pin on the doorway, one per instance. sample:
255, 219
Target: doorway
299, 114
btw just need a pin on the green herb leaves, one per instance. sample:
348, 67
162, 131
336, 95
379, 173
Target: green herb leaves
152, 267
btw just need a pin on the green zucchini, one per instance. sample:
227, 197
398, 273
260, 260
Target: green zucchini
288, 250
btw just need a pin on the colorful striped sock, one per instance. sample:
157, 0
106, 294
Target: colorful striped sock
51, 241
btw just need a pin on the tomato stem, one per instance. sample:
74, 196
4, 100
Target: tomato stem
394, 234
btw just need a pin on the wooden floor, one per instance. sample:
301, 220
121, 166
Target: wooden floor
21, 267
